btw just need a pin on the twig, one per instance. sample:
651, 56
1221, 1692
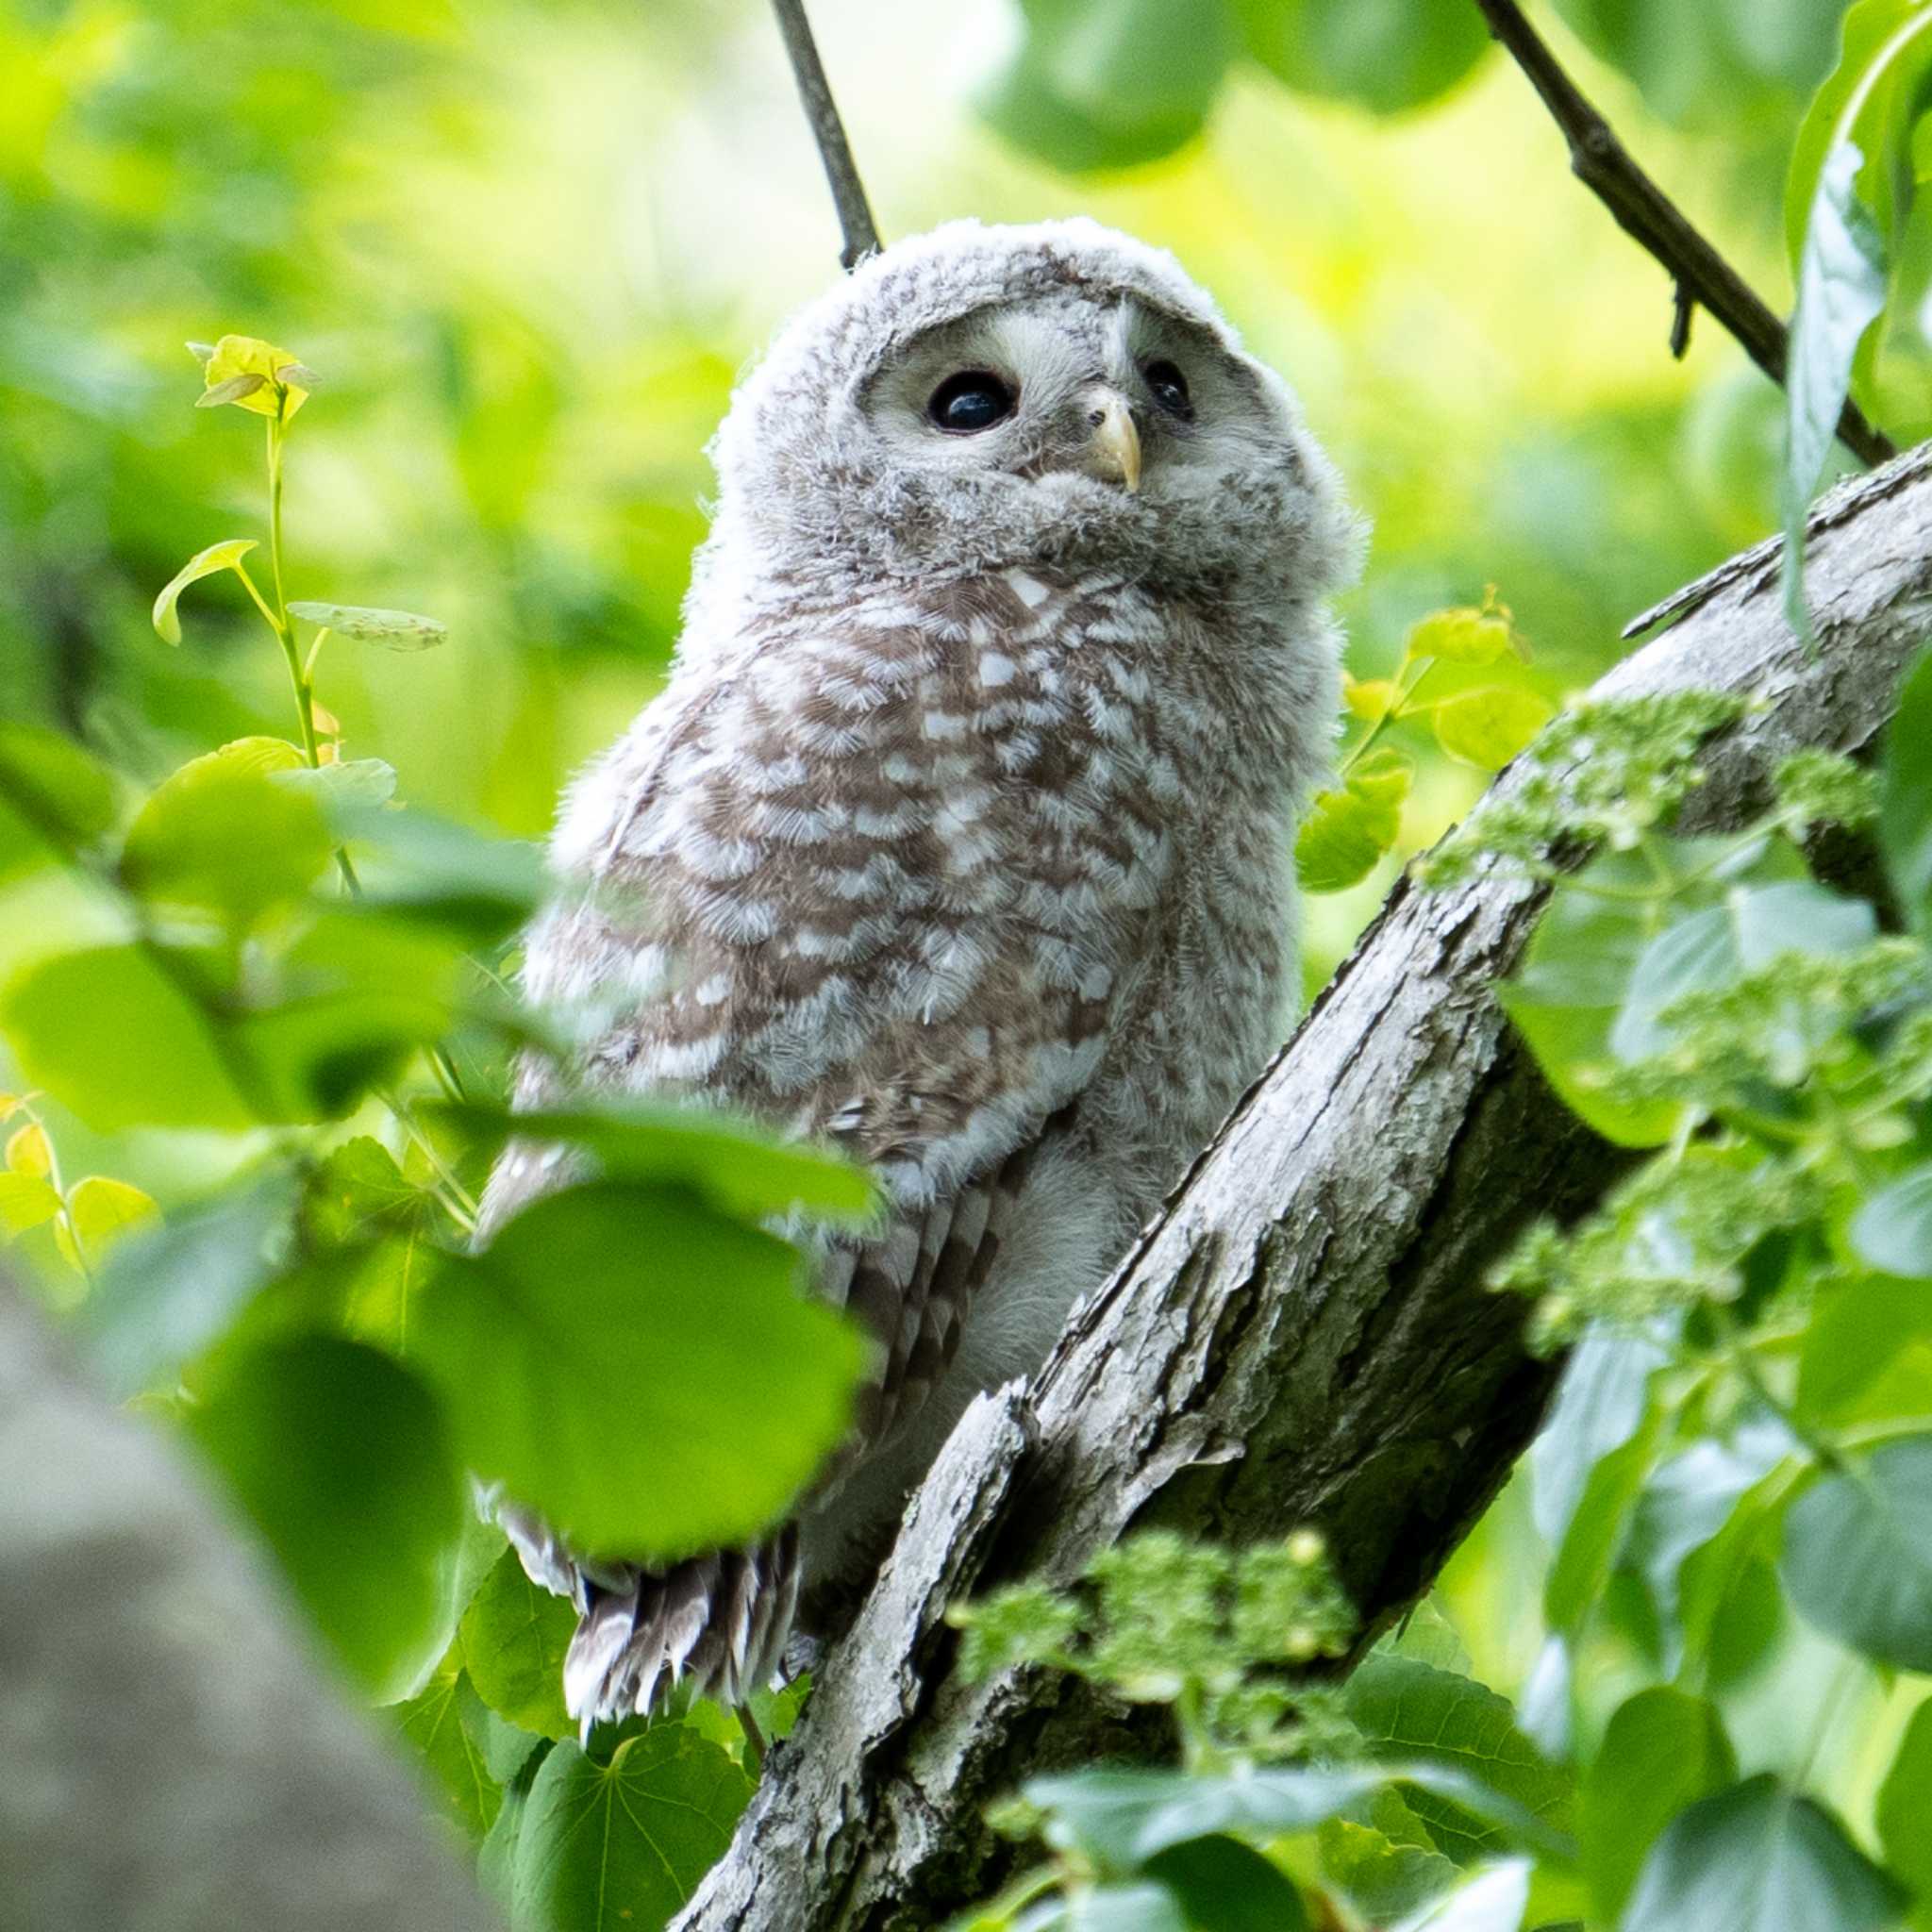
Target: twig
1703, 278
841, 172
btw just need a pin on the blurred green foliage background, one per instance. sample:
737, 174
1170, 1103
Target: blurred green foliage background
528, 247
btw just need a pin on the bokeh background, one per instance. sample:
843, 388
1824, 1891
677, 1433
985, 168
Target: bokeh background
528, 245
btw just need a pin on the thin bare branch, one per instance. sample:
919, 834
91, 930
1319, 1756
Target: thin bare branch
1701, 277
841, 172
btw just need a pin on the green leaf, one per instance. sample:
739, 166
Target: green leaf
1109, 83
514, 1635
27, 1201
1465, 635
1409, 1709
167, 1294
1867, 1352
584, 1352
1121, 1819
1905, 1805
1492, 1900
398, 630
220, 834
1857, 1555
70, 1018
1131, 1908
1346, 831
55, 800
432, 1722
226, 554
1600, 1404
1661, 1751
102, 1213
1390, 56
1488, 726
1687, 1504
476, 889
346, 787
735, 1163
1892, 1229
1580, 1571
1389, 1866
1905, 810
1759, 1858
1221, 1885
1755, 926
339, 1457
1570, 987
620, 1846
1841, 282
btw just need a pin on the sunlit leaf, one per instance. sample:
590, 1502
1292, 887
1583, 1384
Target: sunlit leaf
608, 1846
582, 1352
102, 1213
70, 1018
1489, 727
29, 1151
255, 375
1464, 635
1600, 1403
227, 555
399, 630
1905, 1804
221, 834
339, 1456
1346, 831
27, 1201
1491, 1900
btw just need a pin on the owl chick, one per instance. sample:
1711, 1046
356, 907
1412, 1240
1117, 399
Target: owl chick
959, 839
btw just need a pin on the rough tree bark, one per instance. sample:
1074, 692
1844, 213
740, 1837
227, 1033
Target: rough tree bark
1303, 1335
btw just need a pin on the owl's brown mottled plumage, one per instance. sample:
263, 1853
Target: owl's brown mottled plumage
959, 837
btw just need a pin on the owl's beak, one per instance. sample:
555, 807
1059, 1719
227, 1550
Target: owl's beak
1116, 445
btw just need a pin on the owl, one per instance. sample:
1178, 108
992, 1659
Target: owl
959, 839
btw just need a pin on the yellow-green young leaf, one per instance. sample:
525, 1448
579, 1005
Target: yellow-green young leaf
9, 1103
26, 1201
1461, 636
29, 1152
255, 375
1490, 726
400, 630
220, 834
99, 1212
1368, 698
1347, 831
513, 1637
226, 554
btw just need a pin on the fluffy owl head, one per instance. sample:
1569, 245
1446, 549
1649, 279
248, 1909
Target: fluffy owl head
1051, 395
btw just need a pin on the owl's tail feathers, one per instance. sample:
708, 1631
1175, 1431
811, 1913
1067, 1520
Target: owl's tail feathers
720, 1620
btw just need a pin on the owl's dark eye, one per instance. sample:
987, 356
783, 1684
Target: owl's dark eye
973, 400
1170, 388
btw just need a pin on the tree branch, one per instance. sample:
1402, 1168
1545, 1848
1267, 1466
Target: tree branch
841, 172
176, 1759
1302, 1336
1702, 277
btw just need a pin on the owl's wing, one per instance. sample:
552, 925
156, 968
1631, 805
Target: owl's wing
879, 880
